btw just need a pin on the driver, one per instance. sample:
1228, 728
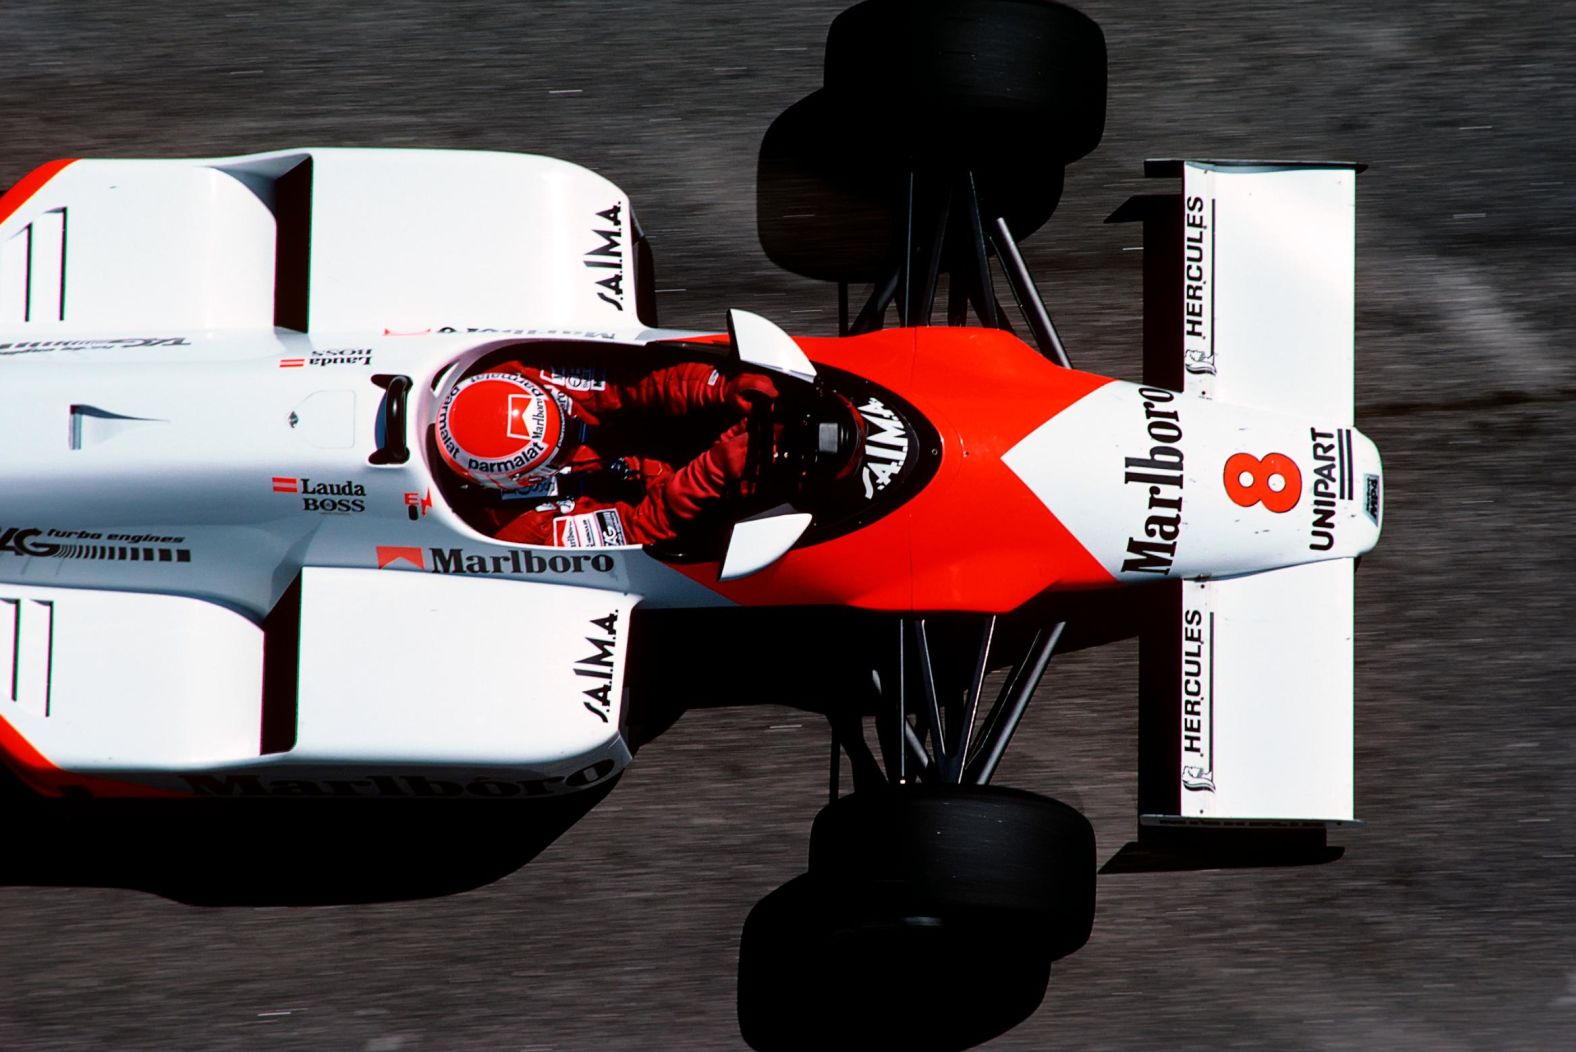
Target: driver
583, 457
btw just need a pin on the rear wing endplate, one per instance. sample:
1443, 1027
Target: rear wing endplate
319, 240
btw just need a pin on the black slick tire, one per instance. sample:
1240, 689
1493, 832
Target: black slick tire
965, 849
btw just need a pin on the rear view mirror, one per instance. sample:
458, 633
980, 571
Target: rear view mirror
760, 343
757, 543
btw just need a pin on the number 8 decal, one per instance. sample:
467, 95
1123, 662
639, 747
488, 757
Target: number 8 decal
1253, 480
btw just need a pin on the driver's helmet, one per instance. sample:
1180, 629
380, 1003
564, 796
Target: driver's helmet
501, 430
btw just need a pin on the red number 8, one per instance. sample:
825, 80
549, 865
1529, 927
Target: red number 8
1261, 471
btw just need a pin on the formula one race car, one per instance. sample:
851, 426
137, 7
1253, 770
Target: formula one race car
227, 519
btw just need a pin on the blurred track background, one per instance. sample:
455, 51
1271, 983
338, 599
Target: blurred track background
1451, 922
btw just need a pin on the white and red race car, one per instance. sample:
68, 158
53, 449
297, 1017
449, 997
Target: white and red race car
190, 482
226, 530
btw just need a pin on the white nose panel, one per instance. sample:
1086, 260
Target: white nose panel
1159, 485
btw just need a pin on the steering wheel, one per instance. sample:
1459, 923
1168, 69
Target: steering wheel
762, 456
794, 444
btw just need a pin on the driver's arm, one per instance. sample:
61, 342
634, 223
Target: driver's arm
687, 493
688, 387
670, 390
674, 498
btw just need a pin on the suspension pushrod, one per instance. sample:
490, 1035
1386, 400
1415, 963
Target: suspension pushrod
985, 765
1008, 690
932, 701
933, 253
905, 299
874, 310
902, 702
1028, 296
982, 290
971, 705
915, 746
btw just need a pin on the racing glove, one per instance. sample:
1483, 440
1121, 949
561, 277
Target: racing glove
709, 478
748, 390
688, 387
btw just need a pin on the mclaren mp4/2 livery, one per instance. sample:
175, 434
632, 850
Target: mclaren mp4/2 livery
227, 531
191, 487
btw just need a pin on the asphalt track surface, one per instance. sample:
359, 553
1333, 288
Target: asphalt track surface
1451, 922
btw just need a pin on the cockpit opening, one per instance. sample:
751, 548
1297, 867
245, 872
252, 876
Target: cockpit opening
665, 446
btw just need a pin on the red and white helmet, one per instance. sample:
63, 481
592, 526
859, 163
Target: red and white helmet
501, 430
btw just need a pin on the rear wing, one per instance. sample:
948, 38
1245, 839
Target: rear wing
1246, 710
360, 683
318, 240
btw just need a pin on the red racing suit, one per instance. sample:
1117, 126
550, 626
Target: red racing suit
617, 480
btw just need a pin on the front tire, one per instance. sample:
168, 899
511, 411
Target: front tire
820, 969
1008, 79
966, 848
929, 919
1008, 91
